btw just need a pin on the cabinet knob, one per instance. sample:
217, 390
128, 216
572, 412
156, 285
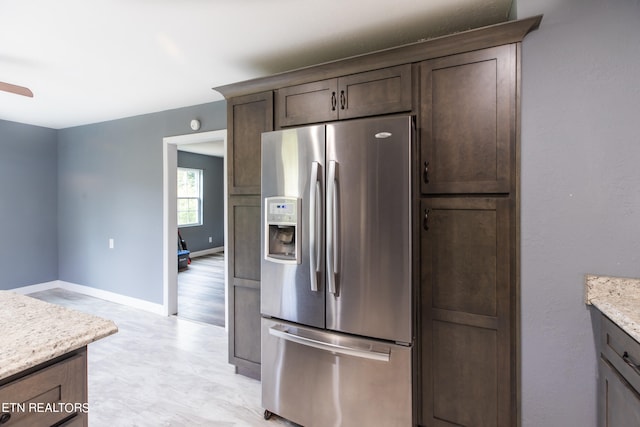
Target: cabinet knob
5, 417
425, 220
425, 173
343, 100
334, 101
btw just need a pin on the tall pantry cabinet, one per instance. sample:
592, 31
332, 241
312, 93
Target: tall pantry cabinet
248, 116
468, 282
463, 91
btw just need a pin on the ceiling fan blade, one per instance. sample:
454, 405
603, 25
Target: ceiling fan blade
19, 90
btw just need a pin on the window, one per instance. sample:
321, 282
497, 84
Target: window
189, 197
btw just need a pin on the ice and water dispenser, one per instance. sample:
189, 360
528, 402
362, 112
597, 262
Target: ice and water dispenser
282, 228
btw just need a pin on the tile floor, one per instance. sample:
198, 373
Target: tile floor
162, 371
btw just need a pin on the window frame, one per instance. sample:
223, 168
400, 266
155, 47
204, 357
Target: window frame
199, 198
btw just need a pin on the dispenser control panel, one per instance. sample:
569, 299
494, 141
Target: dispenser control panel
282, 230
281, 210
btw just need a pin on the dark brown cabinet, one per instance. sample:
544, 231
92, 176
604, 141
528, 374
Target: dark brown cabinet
52, 394
466, 312
383, 91
468, 282
244, 284
467, 122
247, 117
619, 394
307, 103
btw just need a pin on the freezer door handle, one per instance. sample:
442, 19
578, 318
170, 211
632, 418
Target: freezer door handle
315, 237
333, 215
282, 332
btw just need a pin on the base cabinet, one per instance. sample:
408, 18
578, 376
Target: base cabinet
53, 395
620, 402
619, 369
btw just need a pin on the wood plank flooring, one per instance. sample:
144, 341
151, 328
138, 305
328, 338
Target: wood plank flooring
162, 371
201, 290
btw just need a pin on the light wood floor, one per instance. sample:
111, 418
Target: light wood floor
201, 290
160, 371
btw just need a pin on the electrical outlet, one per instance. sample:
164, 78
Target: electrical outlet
210, 239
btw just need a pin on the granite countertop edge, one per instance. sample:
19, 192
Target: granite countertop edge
618, 298
33, 332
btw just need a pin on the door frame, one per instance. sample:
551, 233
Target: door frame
170, 216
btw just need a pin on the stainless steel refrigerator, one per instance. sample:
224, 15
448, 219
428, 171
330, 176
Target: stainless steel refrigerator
336, 287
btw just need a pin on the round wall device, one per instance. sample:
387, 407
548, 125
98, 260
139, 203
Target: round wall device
195, 124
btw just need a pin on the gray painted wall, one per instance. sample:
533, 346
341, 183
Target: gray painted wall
580, 192
110, 186
28, 206
197, 237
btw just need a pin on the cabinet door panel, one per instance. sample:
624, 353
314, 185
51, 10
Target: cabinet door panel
465, 389
307, 103
376, 92
247, 323
467, 121
246, 238
464, 259
383, 91
467, 305
248, 117
244, 284
620, 403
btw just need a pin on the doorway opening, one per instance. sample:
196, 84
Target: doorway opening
213, 143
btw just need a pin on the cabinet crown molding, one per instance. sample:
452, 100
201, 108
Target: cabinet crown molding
465, 41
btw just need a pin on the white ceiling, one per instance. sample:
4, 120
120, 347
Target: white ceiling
91, 61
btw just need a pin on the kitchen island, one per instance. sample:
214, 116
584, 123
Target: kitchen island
618, 301
43, 361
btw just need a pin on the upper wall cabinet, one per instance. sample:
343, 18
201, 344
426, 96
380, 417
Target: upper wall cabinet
467, 121
383, 91
248, 117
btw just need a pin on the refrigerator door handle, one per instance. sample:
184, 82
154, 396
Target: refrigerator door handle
281, 331
332, 226
315, 254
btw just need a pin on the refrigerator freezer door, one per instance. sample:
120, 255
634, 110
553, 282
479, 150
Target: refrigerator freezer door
293, 167
321, 379
368, 228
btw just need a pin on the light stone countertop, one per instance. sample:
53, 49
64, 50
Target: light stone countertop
33, 331
618, 298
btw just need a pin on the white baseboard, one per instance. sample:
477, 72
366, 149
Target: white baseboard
207, 252
24, 290
94, 292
